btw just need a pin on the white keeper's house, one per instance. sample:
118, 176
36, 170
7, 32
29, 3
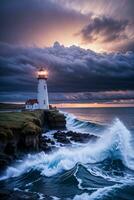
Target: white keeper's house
42, 95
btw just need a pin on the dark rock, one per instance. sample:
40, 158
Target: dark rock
52, 142
48, 140
61, 137
37, 122
10, 148
55, 120
65, 137
5, 160
21, 133
82, 137
44, 145
70, 133
63, 140
29, 143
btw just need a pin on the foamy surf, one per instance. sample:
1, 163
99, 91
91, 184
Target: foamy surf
110, 192
98, 194
115, 143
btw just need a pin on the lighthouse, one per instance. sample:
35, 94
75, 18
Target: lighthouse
42, 96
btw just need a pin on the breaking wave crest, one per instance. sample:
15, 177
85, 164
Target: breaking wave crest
115, 143
75, 124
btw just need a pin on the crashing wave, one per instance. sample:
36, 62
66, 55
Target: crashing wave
77, 125
115, 143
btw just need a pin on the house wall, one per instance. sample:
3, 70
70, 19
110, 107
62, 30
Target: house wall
32, 107
28, 107
35, 106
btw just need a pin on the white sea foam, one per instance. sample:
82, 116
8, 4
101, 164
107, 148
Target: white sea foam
84, 196
100, 193
114, 143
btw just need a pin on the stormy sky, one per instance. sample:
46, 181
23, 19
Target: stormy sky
87, 47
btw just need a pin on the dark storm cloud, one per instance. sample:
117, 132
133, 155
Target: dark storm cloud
91, 97
119, 9
71, 69
26, 22
78, 97
41, 22
104, 29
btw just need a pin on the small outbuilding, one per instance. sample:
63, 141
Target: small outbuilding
31, 104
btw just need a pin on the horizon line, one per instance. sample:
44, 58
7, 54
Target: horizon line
83, 105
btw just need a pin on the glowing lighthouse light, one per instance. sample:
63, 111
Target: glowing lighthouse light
42, 95
42, 74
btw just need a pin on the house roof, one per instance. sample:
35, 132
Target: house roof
31, 101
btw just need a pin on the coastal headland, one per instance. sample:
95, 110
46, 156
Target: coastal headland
20, 131
23, 131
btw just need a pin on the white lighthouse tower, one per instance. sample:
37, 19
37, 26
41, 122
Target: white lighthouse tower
42, 95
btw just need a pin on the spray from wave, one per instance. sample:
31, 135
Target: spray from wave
115, 143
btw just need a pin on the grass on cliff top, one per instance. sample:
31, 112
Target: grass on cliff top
17, 119
25, 122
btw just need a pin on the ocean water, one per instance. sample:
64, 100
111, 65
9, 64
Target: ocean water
101, 170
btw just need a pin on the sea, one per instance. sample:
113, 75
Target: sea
97, 170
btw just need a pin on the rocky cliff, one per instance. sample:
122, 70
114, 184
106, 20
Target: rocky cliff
54, 120
20, 132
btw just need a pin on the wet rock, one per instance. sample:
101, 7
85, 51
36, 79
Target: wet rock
48, 140
66, 137
44, 146
5, 160
80, 137
61, 137
52, 142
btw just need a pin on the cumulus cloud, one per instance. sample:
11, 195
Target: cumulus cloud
71, 70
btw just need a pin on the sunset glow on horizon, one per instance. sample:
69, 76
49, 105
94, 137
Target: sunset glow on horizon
90, 105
